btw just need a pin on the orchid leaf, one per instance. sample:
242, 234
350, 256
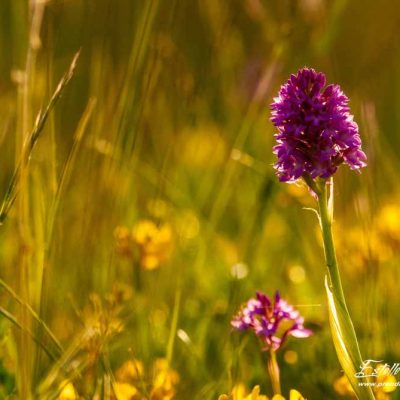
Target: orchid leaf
345, 342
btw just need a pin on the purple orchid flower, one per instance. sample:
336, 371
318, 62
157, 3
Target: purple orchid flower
271, 321
316, 132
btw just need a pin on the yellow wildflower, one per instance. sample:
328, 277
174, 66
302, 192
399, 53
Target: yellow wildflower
68, 392
131, 379
154, 243
125, 391
388, 221
130, 371
385, 383
382, 385
295, 395
360, 248
376, 245
239, 393
342, 386
102, 322
164, 381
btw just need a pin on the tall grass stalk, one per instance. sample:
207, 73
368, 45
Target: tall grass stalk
29, 248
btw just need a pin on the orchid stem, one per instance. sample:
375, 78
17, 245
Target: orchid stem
326, 216
342, 327
273, 370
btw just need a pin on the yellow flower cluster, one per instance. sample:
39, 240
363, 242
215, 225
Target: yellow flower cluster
102, 321
379, 244
130, 372
130, 380
131, 383
239, 392
164, 381
153, 242
383, 385
126, 391
68, 392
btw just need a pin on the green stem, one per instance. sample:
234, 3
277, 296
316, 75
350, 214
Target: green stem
325, 215
342, 329
273, 370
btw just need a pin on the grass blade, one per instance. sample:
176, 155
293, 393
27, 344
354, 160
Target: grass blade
15, 322
33, 314
40, 122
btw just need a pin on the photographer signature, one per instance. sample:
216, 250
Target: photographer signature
373, 368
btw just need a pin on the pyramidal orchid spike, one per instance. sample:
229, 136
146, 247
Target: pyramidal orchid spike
315, 130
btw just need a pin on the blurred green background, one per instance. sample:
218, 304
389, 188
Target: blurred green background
167, 119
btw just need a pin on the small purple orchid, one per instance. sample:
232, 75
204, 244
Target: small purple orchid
271, 321
316, 132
